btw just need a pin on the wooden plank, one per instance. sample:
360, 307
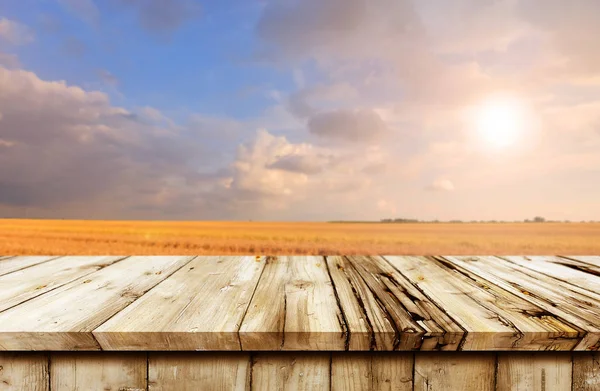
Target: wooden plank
575, 264
25, 284
494, 318
534, 371
198, 308
586, 371
593, 260
287, 371
351, 371
294, 308
392, 371
372, 371
63, 319
577, 309
23, 371
465, 371
417, 321
12, 264
564, 274
98, 371
199, 371
369, 325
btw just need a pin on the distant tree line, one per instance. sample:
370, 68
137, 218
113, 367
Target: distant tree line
536, 219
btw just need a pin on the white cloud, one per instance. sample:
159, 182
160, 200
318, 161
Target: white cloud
441, 185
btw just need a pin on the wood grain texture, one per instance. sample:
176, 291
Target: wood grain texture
418, 322
20, 372
199, 371
372, 371
10, 264
494, 318
294, 308
306, 371
593, 260
368, 323
564, 273
460, 371
198, 308
98, 371
578, 309
25, 284
586, 371
336, 303
534, 372
63, 319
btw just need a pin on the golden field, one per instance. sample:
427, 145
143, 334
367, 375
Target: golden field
74, 237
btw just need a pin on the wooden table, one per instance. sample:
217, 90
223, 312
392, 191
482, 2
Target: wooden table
265, 322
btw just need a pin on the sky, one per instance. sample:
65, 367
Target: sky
300, 109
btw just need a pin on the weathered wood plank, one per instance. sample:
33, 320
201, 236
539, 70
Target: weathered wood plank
562, 273
494, 318
577, 309
586, 371
351, 371
534, 371
23, 371
449, 372
370, 327
25, 284
286, 371
294, 308
198, 308
11, 264
98, 371
593, 260
417, 321
63, 319
199, 371
372, 371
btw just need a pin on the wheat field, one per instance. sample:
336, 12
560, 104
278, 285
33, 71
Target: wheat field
74, 237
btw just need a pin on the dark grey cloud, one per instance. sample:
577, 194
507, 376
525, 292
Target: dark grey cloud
355, 126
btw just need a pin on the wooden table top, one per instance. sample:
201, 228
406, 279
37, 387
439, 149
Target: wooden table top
332, 303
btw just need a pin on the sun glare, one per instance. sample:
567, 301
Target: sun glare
502, 121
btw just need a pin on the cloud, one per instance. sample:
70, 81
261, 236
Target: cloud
86, 10
300, 163
308, 101
8, 60
253, 169
15, 33
87, 150
164, 16
107, 77
354, 126
572, 30
441, 185
330, 29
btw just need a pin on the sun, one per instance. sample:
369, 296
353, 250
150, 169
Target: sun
500, 122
